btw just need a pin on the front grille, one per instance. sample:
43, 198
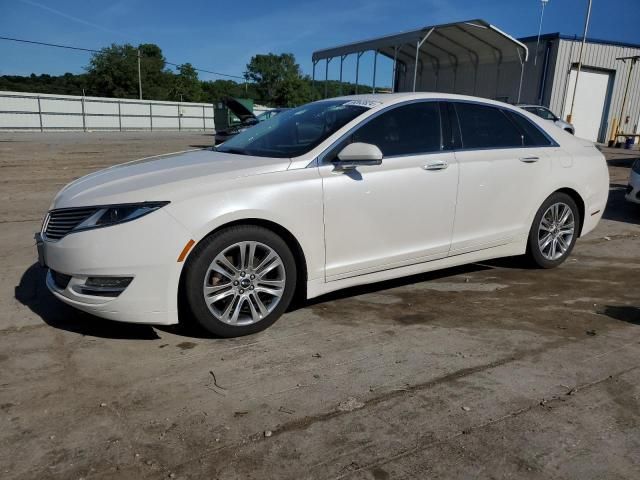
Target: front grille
61, 222
60, 279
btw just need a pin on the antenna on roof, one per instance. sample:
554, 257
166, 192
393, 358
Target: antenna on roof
544, 4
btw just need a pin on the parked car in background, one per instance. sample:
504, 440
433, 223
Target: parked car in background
246, 118
332, 194
266, 115
633, 189
544, 112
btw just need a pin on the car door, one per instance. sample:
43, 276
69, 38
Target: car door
503, 166
397, 213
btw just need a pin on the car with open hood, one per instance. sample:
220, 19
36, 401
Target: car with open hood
246, 118
336, 193
272, 112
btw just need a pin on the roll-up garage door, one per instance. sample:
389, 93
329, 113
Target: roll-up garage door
591, 104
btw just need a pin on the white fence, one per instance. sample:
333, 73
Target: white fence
42, 112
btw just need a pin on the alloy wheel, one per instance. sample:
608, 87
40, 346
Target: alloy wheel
244, 283
556, 231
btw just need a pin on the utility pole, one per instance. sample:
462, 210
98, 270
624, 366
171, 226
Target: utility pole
544, 4
139, 77
584, 38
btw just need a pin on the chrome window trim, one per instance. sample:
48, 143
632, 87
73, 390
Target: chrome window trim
320, 159
482, 149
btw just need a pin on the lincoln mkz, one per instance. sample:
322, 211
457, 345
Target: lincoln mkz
335, 193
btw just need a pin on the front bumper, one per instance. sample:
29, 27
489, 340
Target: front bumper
145, 249
633, 190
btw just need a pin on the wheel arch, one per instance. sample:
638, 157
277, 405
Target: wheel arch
576, 197
284, 233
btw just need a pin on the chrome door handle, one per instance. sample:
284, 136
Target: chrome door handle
437, 165
529, 159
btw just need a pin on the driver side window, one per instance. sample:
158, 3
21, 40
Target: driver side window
405, 130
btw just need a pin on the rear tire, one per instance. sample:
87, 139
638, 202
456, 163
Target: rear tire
240, 280
554, 231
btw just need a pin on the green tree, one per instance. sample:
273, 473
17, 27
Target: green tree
156, 79
334, 89
113, 72
278, 80
187, 87
216, 90
67, 84
274, 80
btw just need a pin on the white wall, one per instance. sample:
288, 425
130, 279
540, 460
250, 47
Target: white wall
32, 111
599, 56
590, 102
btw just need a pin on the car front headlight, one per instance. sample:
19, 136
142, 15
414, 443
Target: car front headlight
115, 214
636, 166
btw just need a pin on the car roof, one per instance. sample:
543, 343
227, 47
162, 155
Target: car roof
386, 99
522, 105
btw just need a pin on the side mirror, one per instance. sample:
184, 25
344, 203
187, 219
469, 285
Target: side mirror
358, 154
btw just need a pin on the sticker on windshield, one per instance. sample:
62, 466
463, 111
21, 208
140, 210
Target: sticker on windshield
362, 103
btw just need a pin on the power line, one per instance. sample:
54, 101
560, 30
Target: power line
207, 71
49, 44
33, 42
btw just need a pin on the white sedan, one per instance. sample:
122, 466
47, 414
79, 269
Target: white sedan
332, 194
633, 189
545, 113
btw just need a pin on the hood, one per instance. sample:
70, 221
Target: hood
563, 124
169, 178
239, 110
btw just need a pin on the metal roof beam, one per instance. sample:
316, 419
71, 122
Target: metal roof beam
478, 39
418, 45
412, 37
472, 54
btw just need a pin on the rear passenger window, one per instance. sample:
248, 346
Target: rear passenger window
533, 137
405, 130
483, 126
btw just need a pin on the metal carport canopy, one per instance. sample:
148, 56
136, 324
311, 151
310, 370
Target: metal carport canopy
474, 41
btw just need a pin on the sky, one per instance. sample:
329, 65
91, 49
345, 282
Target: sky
222, 36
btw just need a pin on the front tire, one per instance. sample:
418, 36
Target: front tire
554, 231
240, 280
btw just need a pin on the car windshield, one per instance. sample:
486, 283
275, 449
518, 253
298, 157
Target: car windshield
294, 132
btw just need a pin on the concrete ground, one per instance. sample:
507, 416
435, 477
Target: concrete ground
488, 371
